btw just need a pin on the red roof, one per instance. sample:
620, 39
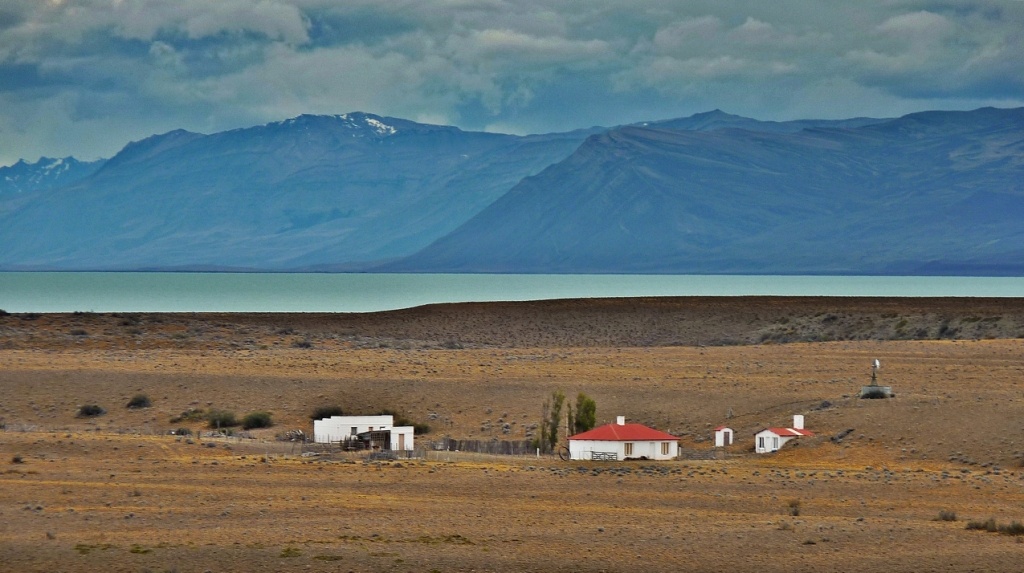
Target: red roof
722, 428
789, 432
623, 433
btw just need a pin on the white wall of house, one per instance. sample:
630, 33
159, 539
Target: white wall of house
767, 441
652, 450
339, 428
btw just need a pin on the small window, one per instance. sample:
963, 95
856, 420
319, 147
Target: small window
627, 449
664, 448
355, 430
775, 443
760, 442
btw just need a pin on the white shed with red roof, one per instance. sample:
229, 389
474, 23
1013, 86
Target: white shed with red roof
771, 439
622, 441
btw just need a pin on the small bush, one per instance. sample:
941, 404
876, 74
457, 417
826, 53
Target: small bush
255, 420
79, 332
190, 415
139, 401
326, 412
794, 507
987, 525
221, 419
90, 411
305, 343
945, 515
1015, 528
183, 432
17, 460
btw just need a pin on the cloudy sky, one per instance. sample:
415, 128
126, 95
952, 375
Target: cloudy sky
84, 77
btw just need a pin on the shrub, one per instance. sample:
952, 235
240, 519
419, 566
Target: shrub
305, 343
987, 525
17, 460
255, 420
1015, 528
190, 415
794, 507
221, 419
945, 515
90, 411
139, 401
326, 412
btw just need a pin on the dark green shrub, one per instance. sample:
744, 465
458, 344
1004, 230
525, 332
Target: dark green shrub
255, 420
139, 401
946, 515
90, 411
326, 412
221, 419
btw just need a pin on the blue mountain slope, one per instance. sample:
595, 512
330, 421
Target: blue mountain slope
316, 192
922, 193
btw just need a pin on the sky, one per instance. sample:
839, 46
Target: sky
85, 77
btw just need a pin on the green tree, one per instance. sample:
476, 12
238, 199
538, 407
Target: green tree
586, 414
554, 418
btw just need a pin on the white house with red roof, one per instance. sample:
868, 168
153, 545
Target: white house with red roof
622, 441
770, 440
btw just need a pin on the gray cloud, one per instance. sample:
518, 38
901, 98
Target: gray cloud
83, 77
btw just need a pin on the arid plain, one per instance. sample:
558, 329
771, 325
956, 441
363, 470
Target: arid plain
117, 493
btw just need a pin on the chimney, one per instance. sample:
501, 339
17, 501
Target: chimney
620, 420
798, 421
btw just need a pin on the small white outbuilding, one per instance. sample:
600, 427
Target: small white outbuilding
772, 439
723, 436
351, 428
622, 441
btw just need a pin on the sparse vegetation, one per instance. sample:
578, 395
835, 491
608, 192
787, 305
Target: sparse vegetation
90, 411
17, 460
326, 412
290, 552
190, 415
139, 401
946, 515
254, 420
218, 419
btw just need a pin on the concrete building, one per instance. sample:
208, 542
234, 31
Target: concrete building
376, 432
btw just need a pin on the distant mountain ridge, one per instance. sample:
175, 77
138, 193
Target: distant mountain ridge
927, 193
47, 173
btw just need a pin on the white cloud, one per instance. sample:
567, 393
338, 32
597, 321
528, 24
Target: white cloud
69, 68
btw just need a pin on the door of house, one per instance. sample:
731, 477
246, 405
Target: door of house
401, 442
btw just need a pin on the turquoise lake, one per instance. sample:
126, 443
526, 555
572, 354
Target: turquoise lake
299, 292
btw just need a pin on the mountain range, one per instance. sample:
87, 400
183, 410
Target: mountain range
938, 192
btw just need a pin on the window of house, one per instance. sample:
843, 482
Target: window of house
775, 443
355, 430
760, 442
664, 448
627, 448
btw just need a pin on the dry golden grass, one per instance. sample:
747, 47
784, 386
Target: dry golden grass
116, 493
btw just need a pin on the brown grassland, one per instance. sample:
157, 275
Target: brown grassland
116, 492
